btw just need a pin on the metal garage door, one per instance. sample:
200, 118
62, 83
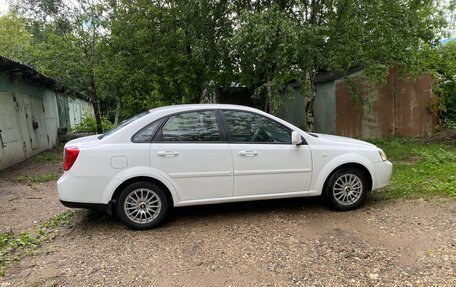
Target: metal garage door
11, 145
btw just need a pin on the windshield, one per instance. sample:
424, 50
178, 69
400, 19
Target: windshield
123, 124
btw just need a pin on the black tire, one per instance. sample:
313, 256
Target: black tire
153, 216
334, 194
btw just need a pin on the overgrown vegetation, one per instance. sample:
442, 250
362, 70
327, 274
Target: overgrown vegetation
48, 156
420, 169
89, 125
128, 56
446, 86
37, 178
14, 246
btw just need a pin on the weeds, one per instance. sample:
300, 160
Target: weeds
420, 169
13, 247
58, 147
38, 178
47, 157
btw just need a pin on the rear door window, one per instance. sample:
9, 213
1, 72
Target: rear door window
198, 126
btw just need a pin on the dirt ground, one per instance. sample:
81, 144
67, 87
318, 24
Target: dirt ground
269, 243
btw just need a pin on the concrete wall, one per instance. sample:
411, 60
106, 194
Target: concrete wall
78, 108
28, 120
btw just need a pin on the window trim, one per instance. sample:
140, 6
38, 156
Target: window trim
221, 123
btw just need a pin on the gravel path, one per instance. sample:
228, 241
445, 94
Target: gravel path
271, 243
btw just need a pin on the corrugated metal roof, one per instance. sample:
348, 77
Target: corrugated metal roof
24, 72
331, 76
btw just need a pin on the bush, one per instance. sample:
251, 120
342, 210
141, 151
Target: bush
446, 90
88, 124
446, 87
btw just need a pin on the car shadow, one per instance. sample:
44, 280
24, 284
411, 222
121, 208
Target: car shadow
289, 205
92, 219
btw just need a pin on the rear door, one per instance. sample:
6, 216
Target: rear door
190, 149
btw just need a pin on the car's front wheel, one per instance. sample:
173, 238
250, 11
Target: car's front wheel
142, 205
346, 189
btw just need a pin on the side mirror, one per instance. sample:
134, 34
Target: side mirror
296, 138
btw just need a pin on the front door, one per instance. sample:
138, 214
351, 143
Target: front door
265, 162
190, 149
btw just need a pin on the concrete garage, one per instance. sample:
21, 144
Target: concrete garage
29, 113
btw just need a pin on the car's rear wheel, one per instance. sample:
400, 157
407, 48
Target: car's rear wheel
346, 189
142, 205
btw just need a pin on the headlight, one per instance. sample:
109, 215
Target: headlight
382, 154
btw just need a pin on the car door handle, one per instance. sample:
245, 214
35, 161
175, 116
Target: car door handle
248, 153
167, 153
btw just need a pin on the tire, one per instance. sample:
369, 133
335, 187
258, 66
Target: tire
345, 189
142, 205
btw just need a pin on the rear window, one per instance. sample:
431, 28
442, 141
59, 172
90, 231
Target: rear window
123, 124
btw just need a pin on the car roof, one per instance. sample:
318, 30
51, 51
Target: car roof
185, 107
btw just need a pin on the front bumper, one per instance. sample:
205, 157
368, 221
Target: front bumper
383, 171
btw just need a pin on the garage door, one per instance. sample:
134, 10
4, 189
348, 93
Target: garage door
11, 145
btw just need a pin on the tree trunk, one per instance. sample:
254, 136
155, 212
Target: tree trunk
269, 104
96, 111
95, 103
309, 100
116, 116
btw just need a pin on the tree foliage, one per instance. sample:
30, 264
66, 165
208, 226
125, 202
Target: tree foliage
129, 56
14, 38
65, 43
446, 88
288, 40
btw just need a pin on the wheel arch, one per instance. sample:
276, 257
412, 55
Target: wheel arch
131, 180
322, 174
126, 177
367, 174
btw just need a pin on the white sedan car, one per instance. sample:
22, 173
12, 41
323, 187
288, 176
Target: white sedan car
204, 154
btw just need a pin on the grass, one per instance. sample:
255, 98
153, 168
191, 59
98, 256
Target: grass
14, 246
48, 157
420, 169
38, 178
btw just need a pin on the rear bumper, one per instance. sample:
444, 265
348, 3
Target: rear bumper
82, 189
96, 206
83, 192
383, 171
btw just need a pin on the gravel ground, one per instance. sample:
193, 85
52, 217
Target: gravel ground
270, 243
24, 206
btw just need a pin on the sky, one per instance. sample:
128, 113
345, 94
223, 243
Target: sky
3, 6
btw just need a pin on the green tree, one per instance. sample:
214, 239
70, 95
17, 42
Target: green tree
14, 37
445, 66
66, 43
127, 56
297, 39
166, 52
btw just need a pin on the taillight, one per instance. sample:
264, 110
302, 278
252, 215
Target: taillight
71, 154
